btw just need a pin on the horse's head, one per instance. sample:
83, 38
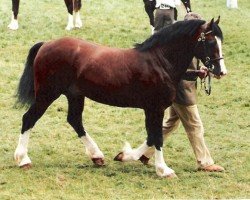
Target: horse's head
209, 48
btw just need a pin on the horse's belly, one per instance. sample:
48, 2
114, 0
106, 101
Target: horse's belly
116, 99
127, 97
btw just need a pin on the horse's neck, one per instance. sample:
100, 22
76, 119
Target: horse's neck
179, 56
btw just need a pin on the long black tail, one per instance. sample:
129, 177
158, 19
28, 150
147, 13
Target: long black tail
25, 91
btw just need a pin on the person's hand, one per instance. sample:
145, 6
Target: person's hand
203, 72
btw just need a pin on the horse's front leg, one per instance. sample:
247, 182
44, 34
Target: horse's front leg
155, 138
15, 8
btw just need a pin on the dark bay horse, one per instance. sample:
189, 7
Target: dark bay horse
73, 7
149, 6
143, 77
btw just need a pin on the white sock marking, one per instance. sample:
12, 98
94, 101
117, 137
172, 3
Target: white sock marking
70, 24
130, 154
13, 24
161, 167
78, 21
21, 152
92, 150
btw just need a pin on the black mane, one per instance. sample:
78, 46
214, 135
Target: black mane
177, 30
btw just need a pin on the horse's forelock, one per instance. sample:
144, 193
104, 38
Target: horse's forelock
177, 30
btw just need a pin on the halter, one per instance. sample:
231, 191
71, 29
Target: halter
208, 63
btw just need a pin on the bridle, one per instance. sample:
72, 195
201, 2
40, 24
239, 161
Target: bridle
208, 61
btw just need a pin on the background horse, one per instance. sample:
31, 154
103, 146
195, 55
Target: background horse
149, 6
143, 77
73, 7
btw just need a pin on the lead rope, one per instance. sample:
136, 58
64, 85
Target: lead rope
205, 82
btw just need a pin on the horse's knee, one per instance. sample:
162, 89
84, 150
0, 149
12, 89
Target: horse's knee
155, 140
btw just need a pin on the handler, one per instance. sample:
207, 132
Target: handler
164, 14
184, 109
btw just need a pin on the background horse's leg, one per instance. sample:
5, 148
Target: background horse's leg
15, 8
154, 129
29, 120
73, 7
149, 8
76, 105
77, 7
69, 5
187, 5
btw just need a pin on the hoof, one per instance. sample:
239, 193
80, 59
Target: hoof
69, 28
78, 25
26, 166
119, 157
13, 25
171, 176
144, 160
98, 162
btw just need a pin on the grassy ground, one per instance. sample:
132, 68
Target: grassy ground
61, 170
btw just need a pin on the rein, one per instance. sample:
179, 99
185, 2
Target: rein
206, 82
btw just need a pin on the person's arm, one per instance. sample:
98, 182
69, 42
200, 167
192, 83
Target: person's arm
192, 75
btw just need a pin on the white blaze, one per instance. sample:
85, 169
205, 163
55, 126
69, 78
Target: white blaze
222, 64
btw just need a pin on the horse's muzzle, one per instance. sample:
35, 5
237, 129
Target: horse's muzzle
221, 74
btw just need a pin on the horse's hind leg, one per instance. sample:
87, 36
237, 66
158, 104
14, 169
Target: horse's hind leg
15, 8
76, 105
29, 120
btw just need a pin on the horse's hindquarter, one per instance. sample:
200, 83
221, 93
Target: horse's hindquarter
56, 63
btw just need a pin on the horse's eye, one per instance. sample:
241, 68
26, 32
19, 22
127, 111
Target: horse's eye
212, 42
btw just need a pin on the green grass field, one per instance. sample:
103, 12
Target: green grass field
61, 170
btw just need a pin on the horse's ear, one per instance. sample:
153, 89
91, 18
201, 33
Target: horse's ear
218, 20
210, 24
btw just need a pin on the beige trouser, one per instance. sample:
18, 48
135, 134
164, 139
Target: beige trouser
190, 118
